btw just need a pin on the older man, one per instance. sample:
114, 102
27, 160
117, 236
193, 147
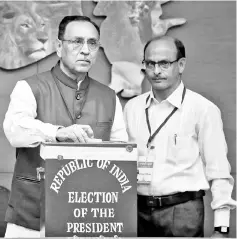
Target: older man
182, 145
63, 104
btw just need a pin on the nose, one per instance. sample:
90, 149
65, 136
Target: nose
42, 37
157, 69
85, 49
43, 40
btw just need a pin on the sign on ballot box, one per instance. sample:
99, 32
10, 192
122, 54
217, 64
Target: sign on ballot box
90, 189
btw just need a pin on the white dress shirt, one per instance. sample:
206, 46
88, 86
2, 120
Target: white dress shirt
190, 150
23, 130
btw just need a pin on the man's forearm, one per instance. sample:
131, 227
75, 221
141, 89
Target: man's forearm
222, 201
30, 133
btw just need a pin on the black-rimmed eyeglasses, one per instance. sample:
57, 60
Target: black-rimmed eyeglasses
77, 44
164, 65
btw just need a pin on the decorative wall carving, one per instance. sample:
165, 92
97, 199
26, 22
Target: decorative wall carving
28, 29
128, 26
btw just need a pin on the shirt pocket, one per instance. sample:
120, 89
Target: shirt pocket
26, 196
182, 149
102, 130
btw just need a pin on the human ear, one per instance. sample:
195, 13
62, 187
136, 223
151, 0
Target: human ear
58, 46
181, 64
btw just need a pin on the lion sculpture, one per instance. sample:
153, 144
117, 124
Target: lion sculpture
24, 37
28, 29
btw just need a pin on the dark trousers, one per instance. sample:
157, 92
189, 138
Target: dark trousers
181, 220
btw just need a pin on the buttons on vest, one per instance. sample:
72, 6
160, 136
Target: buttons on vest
78, 97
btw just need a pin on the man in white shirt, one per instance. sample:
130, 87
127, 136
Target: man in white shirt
181, 144
63, 104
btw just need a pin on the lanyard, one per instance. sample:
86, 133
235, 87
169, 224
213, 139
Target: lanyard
64, 101
164, 122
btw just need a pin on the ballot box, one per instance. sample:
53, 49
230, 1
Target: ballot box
90, 190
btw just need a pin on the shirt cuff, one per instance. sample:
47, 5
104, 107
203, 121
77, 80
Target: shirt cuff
222, 217
51, 133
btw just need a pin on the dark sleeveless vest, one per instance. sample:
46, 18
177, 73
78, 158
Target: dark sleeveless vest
56, 94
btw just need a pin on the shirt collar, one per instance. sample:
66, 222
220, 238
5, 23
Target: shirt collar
175, 98
66, 80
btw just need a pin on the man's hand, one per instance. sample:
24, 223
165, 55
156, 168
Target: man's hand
218, 235
75, 133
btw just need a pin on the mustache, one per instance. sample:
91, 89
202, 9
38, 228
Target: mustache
85, 59
159, 78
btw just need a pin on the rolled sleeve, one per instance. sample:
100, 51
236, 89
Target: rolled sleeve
20, 125
213, 149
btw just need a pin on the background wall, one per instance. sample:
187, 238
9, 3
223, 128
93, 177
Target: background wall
210, 39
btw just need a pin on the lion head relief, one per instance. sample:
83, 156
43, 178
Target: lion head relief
26, 36
28, 29
31, 36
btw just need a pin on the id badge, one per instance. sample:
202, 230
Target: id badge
145, 168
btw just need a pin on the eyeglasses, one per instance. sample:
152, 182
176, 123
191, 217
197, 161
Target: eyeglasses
164, 65
77, 44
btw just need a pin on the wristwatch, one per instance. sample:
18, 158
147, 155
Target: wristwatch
222, 229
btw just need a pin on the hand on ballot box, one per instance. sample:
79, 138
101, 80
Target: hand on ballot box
76, 133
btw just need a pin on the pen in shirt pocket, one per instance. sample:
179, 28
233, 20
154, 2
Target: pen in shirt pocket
175, 139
